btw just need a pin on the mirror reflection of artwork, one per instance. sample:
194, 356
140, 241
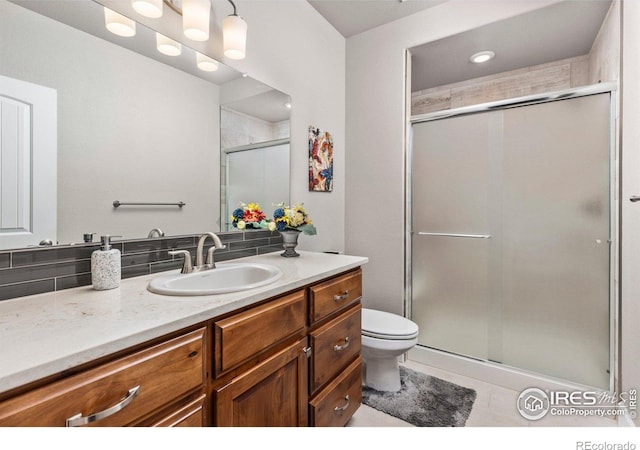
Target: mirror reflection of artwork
320, 160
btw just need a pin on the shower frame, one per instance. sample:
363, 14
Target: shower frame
508, 376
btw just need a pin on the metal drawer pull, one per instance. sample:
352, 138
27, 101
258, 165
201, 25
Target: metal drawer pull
337, 298
337, 348
635, 198
79, 419
456, 235
341, 409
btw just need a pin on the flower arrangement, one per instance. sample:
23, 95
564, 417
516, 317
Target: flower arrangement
249, 216
296, 218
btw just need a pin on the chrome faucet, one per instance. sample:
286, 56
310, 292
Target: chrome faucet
188, 267
217, 244
156, 231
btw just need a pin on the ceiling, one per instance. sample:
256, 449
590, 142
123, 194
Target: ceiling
355, 16
562, 30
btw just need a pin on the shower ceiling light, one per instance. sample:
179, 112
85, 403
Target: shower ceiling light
482, 57
119, 24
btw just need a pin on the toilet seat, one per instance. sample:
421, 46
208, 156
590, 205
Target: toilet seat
384, 325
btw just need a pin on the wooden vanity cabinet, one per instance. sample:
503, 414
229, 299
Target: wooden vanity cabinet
315, 380
293, 360
155, 382
335, 380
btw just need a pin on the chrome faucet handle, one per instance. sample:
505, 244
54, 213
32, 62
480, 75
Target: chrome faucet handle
187, 266
211, 264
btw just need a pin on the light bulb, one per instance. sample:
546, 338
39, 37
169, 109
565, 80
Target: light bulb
148, 8
119, 24
205, 63
195, 19
234, 37
481, 57
167, 45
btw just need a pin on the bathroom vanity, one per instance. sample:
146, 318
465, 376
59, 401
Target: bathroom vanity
287, 354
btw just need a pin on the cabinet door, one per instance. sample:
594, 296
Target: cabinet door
273, 393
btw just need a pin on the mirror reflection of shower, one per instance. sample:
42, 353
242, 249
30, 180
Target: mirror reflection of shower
254, 157
256, 173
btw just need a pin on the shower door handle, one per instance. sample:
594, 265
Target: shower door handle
635, 198
470, 236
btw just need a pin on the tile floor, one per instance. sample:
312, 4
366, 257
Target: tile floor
495, 406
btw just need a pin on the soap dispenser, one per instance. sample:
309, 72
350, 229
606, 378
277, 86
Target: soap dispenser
105, 266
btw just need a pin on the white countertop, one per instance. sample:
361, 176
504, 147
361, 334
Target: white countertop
44, 334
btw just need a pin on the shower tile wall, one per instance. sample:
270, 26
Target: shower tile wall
35, 271
549, 77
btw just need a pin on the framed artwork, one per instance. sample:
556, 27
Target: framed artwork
320, 160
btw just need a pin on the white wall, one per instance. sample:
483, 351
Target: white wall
375, 178
630, 264
375, 141
125, 123
292, 48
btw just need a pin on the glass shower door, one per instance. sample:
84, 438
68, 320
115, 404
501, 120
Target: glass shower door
556, 232
450, 209
511, 237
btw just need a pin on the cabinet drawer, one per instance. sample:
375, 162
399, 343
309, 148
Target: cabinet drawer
245, 335
334, 345
335, 404
120, 392
335, 294
189, 415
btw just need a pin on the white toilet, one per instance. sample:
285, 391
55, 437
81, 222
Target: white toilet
385, 336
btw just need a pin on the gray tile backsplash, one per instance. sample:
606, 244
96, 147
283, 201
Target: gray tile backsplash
38, 270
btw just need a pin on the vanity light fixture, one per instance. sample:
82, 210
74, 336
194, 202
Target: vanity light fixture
205, 63
195, 23
482, 57
195, 19
119, 24
167, 45
234, 35
148, 8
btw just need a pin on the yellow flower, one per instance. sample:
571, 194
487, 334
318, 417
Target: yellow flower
298, 219
253, 206
272, 226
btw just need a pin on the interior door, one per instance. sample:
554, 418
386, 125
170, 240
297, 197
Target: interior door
28, 146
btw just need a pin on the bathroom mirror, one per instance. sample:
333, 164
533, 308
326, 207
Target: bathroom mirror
133, 125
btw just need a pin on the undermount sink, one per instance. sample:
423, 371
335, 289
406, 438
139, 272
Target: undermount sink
223, 279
